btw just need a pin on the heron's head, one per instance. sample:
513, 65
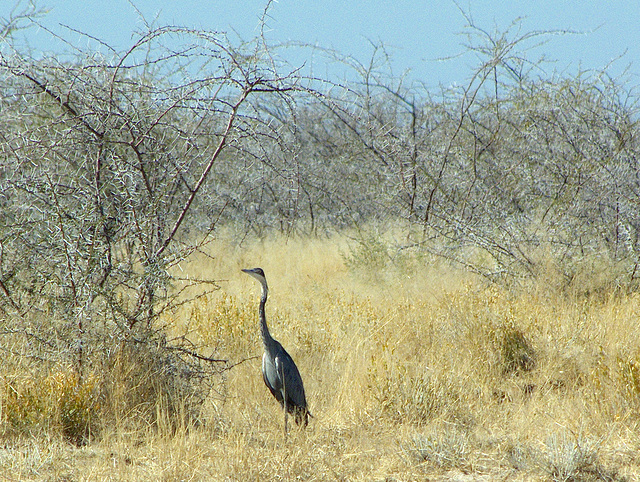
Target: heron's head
257, 273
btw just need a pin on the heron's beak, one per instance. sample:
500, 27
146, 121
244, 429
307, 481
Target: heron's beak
251, 272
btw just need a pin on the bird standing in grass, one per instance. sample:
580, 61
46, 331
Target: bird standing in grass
279, 371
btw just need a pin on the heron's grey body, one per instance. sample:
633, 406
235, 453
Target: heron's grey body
279, 371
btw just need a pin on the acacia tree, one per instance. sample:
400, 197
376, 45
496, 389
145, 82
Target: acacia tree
501, 175
110, 167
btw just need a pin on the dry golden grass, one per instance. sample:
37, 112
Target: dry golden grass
412, 373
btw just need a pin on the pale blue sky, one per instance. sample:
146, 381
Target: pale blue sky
418, 33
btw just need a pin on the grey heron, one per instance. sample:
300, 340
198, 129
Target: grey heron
279, 371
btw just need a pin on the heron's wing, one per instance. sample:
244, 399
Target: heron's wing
287, 369
271, 377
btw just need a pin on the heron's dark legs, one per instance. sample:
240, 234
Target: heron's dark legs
284, 405
286, 429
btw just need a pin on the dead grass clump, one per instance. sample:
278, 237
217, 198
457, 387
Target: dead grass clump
561, 457
515, 349
407, 400
569, 458
148, 384
57, 403
444, 446
628, 374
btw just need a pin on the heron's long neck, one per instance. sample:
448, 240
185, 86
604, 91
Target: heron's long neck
264, 329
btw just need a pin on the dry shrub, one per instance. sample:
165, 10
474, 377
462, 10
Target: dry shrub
60, 402
149, 384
